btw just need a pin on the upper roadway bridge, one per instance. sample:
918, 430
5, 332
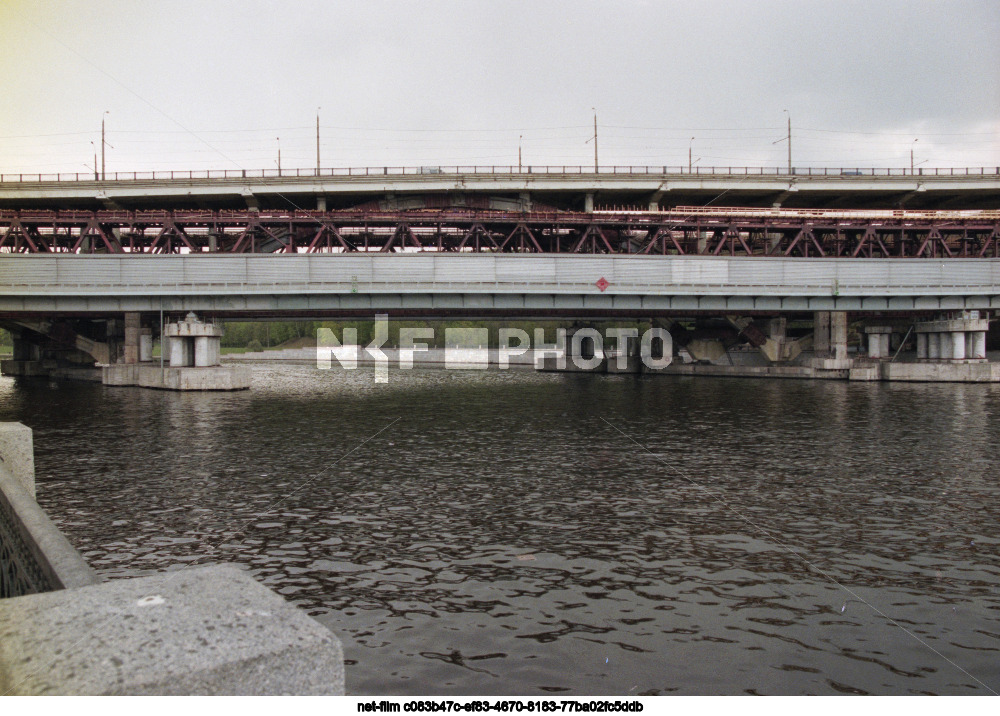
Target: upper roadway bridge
509, 188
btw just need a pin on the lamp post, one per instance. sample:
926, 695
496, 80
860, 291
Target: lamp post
690, 164
103, 143
317, 140
911, 153
278, 140
96, 175
789, 141
519, 140
595, 140
787, 138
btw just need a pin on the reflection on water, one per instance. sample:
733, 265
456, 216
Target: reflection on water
498, 537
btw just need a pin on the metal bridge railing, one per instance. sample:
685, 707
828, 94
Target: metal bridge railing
498, 170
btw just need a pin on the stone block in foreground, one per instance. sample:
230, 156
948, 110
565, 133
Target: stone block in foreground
206, 630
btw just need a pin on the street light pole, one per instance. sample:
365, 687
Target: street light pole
789, 141
317, 140
519, 139
278, 140
911, 153
689, 154
103, 142
595, 141
787, 138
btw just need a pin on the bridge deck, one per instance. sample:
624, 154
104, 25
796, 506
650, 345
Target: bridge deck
486, 284
562, 187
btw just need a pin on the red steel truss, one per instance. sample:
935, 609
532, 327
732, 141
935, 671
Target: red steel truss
706, 231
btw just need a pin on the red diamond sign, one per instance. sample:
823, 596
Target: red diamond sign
602, 283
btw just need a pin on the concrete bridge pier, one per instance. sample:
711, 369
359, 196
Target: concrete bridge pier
585, 350
830, 340
626, 356
58, 349
953, 337
193, 349
879, 341
777, 347
950, 348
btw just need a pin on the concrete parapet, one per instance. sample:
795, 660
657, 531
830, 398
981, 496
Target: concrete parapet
17, 454
34, 554
207, 631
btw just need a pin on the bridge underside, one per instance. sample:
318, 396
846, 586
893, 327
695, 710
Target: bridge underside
700, 231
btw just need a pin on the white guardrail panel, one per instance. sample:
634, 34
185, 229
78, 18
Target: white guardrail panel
107, 275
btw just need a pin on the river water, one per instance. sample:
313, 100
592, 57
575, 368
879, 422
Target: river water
470, 532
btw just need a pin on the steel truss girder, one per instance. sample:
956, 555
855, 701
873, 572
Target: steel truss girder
743, 233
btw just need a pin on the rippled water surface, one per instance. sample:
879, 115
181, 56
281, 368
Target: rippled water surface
521, 533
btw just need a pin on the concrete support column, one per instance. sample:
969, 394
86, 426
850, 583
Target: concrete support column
875, 345
321, 202
921, 346
132, 332
945, 340
821, 333
838, 334
958, 346
115, 338
206, 350
25, 350
933, 346
584, 350
181, 352
978, 351
777, 328
588, 202
145, 345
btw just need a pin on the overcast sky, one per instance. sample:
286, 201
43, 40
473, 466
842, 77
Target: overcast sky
215, 84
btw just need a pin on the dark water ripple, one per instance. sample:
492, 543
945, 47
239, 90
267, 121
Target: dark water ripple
501, 538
